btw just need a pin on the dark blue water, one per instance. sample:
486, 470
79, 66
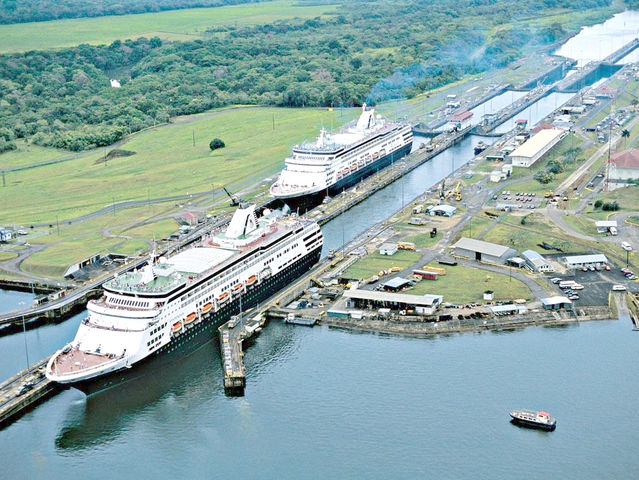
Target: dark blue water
324, 403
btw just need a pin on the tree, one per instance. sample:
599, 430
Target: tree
625, 134
216, 143
598, 204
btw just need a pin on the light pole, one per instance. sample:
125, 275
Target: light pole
24, 332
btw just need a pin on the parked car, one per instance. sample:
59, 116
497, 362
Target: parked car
555, 280
573, 297
619, 288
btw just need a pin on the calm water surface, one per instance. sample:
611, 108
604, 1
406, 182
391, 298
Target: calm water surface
324, 403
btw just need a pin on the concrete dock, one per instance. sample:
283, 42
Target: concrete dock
25, 390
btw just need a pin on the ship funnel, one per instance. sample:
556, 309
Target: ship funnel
243, 222
366, 119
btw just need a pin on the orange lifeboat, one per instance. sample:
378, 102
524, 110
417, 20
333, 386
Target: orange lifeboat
237, 287
189, 318
345, 171
375, 155
206, 307
176, 327
224, 297
353, 167
252, 279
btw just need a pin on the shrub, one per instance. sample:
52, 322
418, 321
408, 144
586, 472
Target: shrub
598, 204
216, 143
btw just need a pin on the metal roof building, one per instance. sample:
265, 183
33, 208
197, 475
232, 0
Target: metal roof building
535, 261
444, 210
533, 149
596, 260
388, 249
396, 283
604, 226
556, 302
483, 251
422, 304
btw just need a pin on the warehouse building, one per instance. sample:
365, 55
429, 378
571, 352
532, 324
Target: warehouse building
396, 284
483, 251
388, 249
536, 262
443, 210
579, 261
532, 150
420, 304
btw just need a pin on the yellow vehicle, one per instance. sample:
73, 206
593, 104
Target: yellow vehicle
548, 194
438, 270
395, 269
405, 245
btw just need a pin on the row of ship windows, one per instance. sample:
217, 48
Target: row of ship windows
199, 292
128, 303
345, 161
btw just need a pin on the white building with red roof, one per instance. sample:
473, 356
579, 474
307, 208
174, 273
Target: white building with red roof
624, 166
460, 119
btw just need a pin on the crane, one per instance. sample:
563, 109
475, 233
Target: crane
234, 200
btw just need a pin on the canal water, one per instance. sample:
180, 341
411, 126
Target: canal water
494, 105
324, 403
598, 41
537, 111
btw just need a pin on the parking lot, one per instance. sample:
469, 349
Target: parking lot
522, 200
597, 285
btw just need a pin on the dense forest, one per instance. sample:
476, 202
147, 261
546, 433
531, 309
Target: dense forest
64, 99
19, 11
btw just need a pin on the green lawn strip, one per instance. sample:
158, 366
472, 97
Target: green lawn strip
582, 225
4, 256
466, 284
27, 154
166, 163
371, 265
634, 220
158, 229
54, 260
169, 25
512, 233
423, 240
627, 198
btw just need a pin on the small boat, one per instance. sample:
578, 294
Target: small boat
345, 171
237, 286
375, 155
480, 147
252, 279
176, 327
353, 167
532, 419
189, 318
206, 307
224, 297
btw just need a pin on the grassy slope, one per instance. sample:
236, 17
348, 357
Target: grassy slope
169, 25
166, 163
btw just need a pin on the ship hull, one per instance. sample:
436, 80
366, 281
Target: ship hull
202, 332
308, 200
530, 424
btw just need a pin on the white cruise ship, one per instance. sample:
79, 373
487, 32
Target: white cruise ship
337, 161
174, 305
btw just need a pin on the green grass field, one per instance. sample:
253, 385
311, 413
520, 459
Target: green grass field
465, 284
184, 24
371, 265
166, 163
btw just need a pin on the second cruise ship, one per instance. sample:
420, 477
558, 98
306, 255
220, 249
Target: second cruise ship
336, 161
